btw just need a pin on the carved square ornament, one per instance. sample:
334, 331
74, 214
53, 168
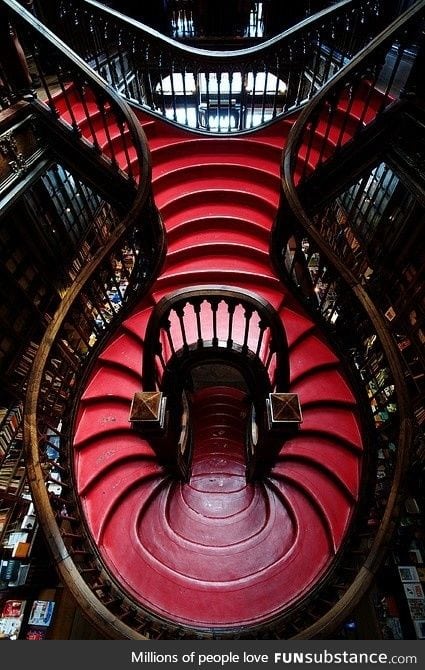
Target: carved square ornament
283, 410
148, 409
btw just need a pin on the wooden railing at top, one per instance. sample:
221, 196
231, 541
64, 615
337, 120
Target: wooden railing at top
185, 21
253, 20
218, 91
310, 258
246, 19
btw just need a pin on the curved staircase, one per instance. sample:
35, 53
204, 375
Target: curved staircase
149, 556
218, 553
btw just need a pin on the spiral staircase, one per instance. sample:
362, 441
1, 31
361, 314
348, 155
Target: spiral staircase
264, 531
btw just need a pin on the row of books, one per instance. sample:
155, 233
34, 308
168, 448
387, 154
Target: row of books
10, 422
13, 573
12, 476
412, 577
25, 620
25, 360
16, 543
4, 517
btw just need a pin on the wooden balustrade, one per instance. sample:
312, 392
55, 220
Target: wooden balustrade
218, 91
215, 319
64, 354
375, 79
72, 97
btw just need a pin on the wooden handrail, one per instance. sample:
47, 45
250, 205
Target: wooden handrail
79, 324
307, 123
368, 57
75, 83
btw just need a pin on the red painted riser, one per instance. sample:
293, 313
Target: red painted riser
217, 552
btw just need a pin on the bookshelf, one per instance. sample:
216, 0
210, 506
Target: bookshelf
399, 596
18, 524
14, 492
27, 619
12, 462
10, 421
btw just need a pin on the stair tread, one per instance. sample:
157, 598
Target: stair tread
342, 461
228, 230
110, 453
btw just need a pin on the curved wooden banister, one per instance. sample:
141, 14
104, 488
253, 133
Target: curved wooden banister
52, 519
270, 341
47, 414
64, 353
218, 91
134, 244
344, 278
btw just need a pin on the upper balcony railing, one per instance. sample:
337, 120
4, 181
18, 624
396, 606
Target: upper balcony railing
235, 19
218, 91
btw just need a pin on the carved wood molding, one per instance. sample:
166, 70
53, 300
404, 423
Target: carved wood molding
20, 148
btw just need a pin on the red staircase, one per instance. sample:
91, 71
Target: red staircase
216, 552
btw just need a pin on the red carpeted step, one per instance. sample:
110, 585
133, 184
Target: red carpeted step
135, 324
108, 494
296, 324
227, 229
127, 348
107, 412
192, 206
329, 386
339, 458
225, 151
214, 179
324, 492
341, 132
110, 452
336, 421
308, 354
226, 256
267, 286
128, 380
